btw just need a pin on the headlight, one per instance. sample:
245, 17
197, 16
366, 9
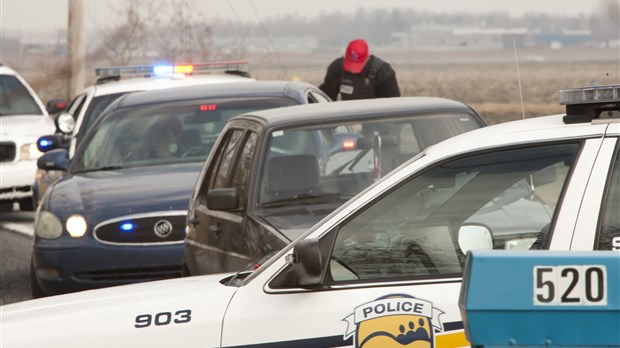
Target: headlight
76, 226
29, 152
48, 226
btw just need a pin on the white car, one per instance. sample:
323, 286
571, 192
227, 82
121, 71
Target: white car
113, 82
384, 269
23, 119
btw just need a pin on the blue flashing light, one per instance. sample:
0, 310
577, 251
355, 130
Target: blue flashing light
128, 226
163, 69
44, 143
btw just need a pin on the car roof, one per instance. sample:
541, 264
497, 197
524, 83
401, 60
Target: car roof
233, 89
146, 83
355, 110
513, 133
5, 70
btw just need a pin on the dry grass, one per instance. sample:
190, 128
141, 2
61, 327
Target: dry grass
485, 80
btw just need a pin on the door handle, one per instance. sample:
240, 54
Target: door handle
216, 229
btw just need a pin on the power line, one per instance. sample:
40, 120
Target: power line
271, 43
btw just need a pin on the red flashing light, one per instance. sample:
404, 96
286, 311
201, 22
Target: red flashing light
348, 144
208, 107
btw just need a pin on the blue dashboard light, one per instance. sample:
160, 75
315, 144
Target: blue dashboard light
163, 69
128, 226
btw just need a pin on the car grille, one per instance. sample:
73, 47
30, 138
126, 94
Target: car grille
154, 228
131, 275
7, 152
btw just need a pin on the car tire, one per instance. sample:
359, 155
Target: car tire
26, 204
35, 288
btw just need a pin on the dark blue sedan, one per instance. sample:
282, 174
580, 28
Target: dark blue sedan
118, 216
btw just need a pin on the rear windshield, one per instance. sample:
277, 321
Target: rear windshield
15, 99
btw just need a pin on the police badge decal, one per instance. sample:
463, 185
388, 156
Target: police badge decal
396, 320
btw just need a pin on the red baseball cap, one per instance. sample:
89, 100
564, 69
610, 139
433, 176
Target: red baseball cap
355, 58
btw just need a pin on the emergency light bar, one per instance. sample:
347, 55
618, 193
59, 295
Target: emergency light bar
588, 103
171, 70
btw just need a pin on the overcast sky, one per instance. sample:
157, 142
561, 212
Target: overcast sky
51, 15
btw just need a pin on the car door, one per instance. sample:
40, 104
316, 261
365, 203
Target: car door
220, 241
388, 271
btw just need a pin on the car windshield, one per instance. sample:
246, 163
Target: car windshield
156, 134
15, 99
338, 160
95, 108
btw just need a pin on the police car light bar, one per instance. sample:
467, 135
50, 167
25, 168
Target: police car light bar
170, 70
588, 103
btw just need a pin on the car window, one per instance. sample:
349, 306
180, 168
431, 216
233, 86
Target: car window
94, 109
15, 99
225, 159
314, 97
76, 105
609, 231
350, 155
500, 200
241, 171
179, 131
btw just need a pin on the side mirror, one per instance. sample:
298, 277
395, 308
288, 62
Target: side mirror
223, 199
65, 123
307, 262
49, 142
56, 105
57, 159
475, 237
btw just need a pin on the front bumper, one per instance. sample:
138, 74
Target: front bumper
16, 179
67, 265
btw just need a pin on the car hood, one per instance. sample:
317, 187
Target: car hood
189, 308
25, 129
124, 192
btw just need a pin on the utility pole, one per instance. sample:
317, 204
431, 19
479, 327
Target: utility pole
76, 43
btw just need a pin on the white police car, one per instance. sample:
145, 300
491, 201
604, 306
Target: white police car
384, 269
113, 82
23, 118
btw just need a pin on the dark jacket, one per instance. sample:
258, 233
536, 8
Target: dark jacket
377, 80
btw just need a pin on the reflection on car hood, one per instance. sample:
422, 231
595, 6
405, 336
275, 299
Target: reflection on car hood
107, 317
107, 194
294, 220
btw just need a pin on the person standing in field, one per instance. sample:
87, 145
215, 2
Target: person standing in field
358, 75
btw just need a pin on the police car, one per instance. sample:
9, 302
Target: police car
23, 118
384, 269
113, 82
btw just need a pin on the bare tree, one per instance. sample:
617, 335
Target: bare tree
156, 30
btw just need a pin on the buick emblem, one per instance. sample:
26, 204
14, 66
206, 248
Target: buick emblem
162, 228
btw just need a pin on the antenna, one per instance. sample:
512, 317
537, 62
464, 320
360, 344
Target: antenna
514, 44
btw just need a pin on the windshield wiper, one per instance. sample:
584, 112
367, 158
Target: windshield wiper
104, 168
307, 198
